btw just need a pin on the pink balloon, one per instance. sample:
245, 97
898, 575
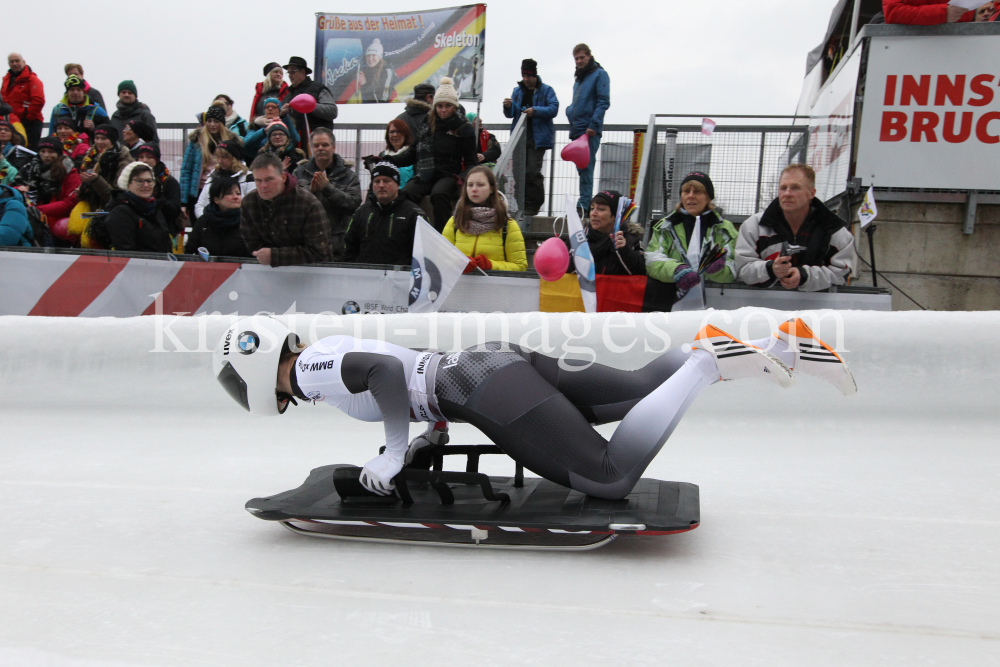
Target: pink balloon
578, 152
60, 229
304, 103
552, 259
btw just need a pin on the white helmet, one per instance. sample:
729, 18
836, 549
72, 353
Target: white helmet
245, 363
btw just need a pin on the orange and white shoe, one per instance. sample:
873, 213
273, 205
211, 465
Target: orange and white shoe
736, 360
816, 358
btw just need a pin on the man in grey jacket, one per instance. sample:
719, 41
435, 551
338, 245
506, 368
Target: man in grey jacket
797, 241
130, 108
327, 177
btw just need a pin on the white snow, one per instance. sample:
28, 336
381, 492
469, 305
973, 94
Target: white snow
834, 531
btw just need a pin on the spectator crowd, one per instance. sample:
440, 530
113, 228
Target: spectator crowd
272, 186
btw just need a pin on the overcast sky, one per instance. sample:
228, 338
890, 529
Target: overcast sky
669, 56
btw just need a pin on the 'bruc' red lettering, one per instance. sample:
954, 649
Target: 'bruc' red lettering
893, 126
924, 122
983, 125
948, 129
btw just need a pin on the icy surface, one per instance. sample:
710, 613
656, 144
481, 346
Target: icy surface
834, 531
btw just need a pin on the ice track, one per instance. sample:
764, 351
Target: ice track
834, 532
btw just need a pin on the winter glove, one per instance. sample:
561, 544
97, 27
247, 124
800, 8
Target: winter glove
483, 262
377, 474
470, 267
685, 277
436, 434
717, 265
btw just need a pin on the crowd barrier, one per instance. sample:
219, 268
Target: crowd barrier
126, 285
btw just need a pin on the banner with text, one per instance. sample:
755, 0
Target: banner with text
931, 115
830, 127
379, 58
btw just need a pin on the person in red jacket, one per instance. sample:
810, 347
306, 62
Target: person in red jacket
23, 90
50, 181
273, 85
925, 12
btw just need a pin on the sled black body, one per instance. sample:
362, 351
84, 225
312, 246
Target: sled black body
472, 508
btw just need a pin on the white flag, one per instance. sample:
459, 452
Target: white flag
869, 209
437, 266
583, 260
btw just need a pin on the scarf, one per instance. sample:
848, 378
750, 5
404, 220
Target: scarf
40, 182
221, 220
164, 174
581, 73
483, 219
146, 207
232, 118
88, 160
70, 143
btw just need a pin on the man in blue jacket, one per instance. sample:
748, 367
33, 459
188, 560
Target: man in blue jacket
539, 103
78, 106
591, 98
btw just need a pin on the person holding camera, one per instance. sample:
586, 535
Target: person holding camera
797, 241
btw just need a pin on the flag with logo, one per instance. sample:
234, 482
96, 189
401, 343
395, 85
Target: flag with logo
583, 260
437, 266
869, 209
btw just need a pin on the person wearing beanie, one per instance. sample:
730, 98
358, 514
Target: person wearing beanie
382, 230
50, 181
199, 155
167, 192
256, 139
236, 125
77, 106
12, 140
229, 163
326, 107
99, 171
614, 253
134, 222
377, 80
539, 103
25, 93
273, 85
591, 99
679, 242
327, 177
74, 144
69, 69
279, 143
417, 108
130, 108
444, 150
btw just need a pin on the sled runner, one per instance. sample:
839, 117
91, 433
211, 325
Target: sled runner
470, 509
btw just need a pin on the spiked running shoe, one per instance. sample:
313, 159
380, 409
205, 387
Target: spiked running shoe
736, 359
816, 358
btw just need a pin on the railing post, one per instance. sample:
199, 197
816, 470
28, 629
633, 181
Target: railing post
552, 174
760, 169
357, 152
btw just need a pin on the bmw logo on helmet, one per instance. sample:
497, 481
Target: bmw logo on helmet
248, 342
351, 308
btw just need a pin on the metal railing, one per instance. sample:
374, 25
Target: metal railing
744, 161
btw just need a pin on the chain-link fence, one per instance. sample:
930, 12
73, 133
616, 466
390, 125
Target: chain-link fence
744, 161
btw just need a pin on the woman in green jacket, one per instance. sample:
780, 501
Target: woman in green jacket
671, 257
481, 229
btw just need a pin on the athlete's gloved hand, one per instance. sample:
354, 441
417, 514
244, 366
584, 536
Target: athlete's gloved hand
436, 434
377, 474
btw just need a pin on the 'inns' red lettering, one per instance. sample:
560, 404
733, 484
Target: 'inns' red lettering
916, 92
954, 91
979, 87
890, 90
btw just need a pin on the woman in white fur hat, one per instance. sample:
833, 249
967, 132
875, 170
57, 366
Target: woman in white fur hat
444, 151
375, 78
134, 221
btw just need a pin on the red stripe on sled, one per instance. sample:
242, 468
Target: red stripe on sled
192, 286
78, 286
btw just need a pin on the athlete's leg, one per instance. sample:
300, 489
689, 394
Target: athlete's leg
536, 425
601, 393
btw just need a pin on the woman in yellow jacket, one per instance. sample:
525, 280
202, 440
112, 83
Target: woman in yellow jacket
477, 229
